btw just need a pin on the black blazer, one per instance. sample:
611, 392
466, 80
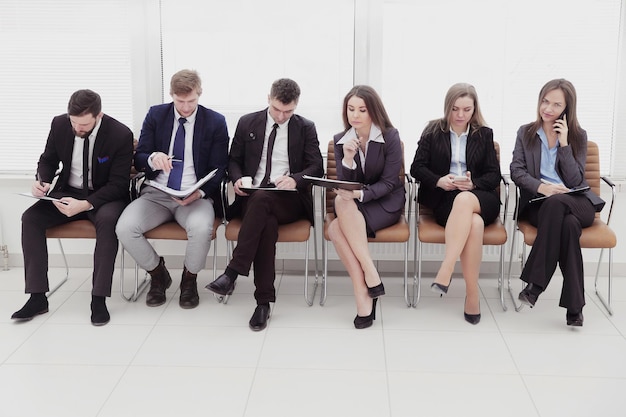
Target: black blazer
210, 144
433, 157
110, 164
303, 149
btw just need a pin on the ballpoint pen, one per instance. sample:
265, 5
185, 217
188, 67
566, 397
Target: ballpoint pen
171, 158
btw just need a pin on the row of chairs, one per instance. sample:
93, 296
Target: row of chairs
427, 231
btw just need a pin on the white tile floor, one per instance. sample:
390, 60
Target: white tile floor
310, 361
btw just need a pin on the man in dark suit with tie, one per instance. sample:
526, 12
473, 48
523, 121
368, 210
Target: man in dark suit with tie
276, 148
96, 152
180, 143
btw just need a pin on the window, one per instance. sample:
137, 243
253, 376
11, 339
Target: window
49, 50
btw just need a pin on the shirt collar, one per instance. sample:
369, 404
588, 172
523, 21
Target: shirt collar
190, 119
376, 135
270, 121
466, 133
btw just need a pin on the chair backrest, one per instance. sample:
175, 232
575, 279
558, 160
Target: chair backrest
331, 173
423, 210
592, 167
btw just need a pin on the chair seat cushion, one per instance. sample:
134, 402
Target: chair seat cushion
598, 235
77, 229
429, 231
298, 231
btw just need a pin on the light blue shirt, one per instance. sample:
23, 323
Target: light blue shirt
458, 144
548, 160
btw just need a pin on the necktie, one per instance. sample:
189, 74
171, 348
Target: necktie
86, 166
178, 153
268, 160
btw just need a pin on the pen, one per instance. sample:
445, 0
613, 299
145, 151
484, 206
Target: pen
39, 179
174, 159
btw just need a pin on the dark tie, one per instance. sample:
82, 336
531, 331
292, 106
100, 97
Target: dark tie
178, 153
86, 166
268, 161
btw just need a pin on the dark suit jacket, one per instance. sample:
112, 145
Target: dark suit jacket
210, 144
303, 149
111, 159
382, 168
526, 167
433, 156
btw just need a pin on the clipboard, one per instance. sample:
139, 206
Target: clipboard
253, 189
328, 183
43, 197
578, 190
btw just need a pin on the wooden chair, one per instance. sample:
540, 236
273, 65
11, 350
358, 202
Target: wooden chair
298, 231
429, 231
599, 235
398, 233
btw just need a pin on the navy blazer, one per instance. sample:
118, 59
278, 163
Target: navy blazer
383, 164
433, 157
303, 150
110, 164
526, 167
210, 144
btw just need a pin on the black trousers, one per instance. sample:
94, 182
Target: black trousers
43, 215
559, 220
263, 212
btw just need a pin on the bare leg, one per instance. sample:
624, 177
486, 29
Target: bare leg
471, 257
457, 232
352, 225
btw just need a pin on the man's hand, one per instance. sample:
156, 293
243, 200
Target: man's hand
236, 185
551, 189
285, 182
71, 206
39, 189
161, 161
196, 195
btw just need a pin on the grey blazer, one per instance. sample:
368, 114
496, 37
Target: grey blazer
526, 167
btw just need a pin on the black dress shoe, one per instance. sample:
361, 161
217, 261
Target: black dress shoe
188, 290
529, 295
37, 304
363, 322
223, 285
574, 319
376, 291
159, 282
259, 318
99, 313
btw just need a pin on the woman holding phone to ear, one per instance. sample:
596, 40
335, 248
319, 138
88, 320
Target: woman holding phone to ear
549, 159
368, 151
458, 170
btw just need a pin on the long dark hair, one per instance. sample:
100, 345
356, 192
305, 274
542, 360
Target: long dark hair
575, 132
374, 106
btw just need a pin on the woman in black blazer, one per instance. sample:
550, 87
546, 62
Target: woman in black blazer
549, 159
459, 172
368, 151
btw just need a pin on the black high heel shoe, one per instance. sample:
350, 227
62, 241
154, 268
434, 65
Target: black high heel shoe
376, 291
363, 322
471, 318
440, 288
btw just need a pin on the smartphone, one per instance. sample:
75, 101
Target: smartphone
460, 178
563, 114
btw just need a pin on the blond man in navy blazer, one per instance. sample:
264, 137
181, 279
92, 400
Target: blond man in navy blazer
204, 148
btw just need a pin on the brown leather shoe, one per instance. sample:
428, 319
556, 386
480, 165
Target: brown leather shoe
188, 290
160, 281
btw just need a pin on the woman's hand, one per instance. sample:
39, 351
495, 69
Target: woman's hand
560, 127
350, 149
448, 183
551, 189
347, 194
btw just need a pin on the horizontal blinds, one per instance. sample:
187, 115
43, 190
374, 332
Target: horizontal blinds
49, 50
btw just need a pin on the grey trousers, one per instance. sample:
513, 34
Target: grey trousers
154, 208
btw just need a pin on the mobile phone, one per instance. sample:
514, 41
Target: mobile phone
563, 114
460, 178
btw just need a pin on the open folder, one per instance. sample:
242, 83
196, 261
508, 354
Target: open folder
328, 183
572, 191
182, 194
43, 197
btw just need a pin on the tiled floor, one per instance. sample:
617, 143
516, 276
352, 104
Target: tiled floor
310, 361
